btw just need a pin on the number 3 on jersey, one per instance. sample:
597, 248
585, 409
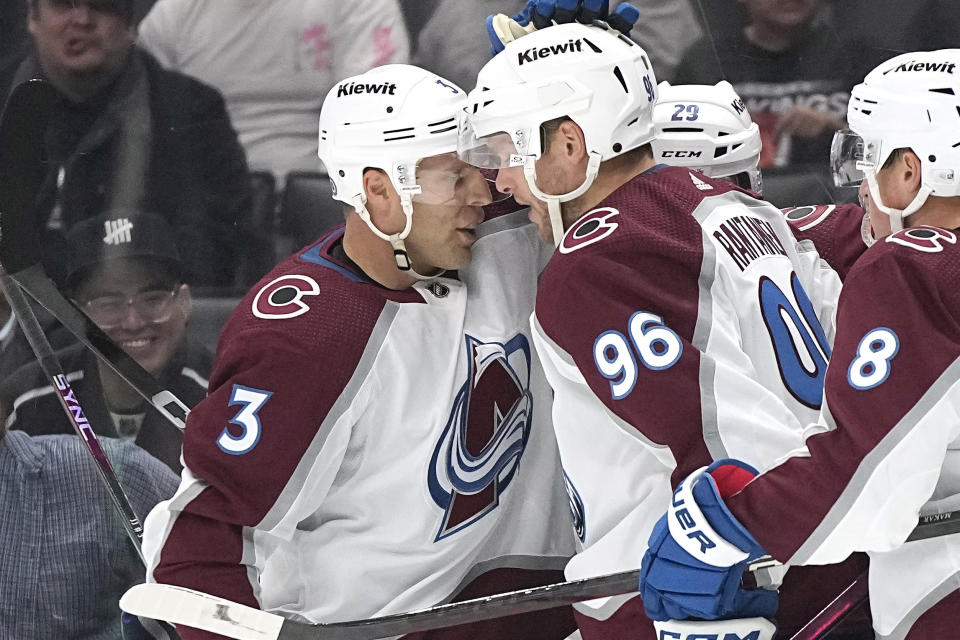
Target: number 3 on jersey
656, 346
250, 401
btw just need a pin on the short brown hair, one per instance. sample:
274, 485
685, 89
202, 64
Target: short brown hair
894, 156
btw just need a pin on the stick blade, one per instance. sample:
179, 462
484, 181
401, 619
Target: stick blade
179, 605
22, 168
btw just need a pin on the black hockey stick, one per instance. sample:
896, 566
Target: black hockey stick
20, 257
217, 615
21, 171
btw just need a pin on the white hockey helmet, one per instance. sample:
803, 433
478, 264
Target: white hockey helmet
388, 118
593, 75
912, 102
707, 128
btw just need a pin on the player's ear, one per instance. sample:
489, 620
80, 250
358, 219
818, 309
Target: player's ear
910, 170
377, 187
382, 199
569, 139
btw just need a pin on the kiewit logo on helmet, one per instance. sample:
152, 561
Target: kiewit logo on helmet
353, 88
913, 65
538, 53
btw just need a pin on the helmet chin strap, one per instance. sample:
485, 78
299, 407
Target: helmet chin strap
896, 215
395, 239
553, 201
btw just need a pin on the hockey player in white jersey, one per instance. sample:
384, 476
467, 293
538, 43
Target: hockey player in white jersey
677, 320
890, 423
377, 437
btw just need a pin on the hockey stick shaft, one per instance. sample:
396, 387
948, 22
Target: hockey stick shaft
68, 400
22, 128
835, 612
210, 613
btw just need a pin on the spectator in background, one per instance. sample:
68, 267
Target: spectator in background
274, 61
14, 42
791, 70
452, 43
66, 556
126, 274
127, 134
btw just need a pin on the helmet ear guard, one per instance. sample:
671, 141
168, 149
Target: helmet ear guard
593, 75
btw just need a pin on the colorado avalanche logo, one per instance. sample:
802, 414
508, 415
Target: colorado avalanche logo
479, 451
592, 227
576, 508
924, 238
282, 297
804, 218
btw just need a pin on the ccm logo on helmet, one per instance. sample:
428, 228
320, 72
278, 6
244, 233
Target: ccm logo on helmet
943, 67
353, 88
538, 53
682, 154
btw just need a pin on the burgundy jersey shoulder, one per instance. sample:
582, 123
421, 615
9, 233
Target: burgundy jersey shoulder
313, 299
653, 207
648, 218
922, 259
305, 325
834, 229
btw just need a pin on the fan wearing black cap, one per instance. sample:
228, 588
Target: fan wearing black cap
125, 273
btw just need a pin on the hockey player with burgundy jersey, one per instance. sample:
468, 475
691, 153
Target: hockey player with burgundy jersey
890, 422
377, 436
678, 320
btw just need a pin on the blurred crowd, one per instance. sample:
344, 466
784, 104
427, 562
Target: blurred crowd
181, 165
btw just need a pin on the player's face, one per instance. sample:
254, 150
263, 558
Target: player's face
76, 38
446, 213
124, 297
512, 181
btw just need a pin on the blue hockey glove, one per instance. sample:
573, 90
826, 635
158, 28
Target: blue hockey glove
698, 552
539, 14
